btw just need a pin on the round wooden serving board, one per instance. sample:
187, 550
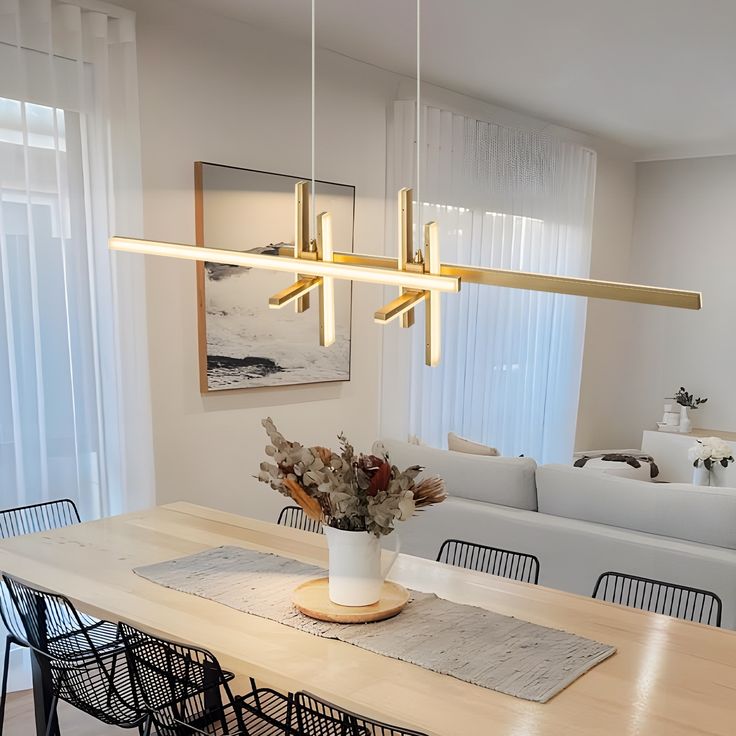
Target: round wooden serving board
312, 599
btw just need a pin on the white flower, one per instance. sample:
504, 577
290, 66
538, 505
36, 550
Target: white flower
710, 448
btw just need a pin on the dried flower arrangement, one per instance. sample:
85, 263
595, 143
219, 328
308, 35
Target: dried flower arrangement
344, 490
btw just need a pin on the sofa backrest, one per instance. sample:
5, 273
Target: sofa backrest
679, 510
572, 554
507, 481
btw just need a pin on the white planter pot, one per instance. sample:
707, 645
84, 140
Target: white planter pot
685, 422
716, 477
356, 574
701, 476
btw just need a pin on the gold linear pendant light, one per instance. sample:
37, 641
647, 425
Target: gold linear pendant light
419, 274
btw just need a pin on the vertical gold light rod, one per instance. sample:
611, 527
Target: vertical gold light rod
301, 234
433, 316
327, 287
406, 242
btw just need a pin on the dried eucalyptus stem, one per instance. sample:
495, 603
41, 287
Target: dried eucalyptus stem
344, 490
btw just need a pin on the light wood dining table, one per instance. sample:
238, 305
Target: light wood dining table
668, 677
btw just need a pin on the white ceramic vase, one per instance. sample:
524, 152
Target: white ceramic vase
701, 476
686, 424
715, 477
356, 572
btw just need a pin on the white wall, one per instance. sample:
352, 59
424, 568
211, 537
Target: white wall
219, 91
684, 238
601, 413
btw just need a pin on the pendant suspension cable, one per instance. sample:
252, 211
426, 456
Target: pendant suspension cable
418, 244
313, 198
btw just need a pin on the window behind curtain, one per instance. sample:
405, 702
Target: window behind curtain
511, 360
51, 437
74, 400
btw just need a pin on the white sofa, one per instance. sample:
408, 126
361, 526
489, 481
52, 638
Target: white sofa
587, 522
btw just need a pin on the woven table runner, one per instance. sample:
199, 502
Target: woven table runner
472, 644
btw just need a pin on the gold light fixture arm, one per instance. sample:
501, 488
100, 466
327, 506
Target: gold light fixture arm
592, 288
420, 278
327, 283
399, 306
294, 291
433, 316
301, 234
365, 274
406, 240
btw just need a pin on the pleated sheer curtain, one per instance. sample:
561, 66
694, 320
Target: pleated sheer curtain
511, 361
74, 396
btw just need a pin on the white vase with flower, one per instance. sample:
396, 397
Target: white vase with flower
687, 402
358, 498
710, 458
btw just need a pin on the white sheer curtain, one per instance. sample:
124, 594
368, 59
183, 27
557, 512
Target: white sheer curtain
74, 398
511, 362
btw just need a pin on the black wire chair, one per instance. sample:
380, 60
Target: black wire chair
316, 717
16, 522
187, 692
295, 517
86, 661
493, 560
657, 596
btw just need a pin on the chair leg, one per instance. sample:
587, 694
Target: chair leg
4, 695
51, 723
289, 714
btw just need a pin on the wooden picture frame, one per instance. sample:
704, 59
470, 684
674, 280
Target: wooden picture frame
322, 365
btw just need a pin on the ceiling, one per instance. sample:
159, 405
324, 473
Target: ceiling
656, 75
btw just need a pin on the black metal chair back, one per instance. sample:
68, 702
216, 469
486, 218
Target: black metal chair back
295, 517
657, 596
316, 717
87, 668
16, 522
38, 517
179, 684
502, 562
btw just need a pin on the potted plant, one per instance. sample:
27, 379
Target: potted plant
687, 401
358, 499
710, 456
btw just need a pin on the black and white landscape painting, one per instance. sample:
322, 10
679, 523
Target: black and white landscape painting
249, 345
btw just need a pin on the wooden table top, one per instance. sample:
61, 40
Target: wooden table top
668, 677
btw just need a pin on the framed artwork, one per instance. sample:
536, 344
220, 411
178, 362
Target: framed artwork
242, 342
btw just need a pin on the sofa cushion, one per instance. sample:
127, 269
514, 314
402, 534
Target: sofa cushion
623, 470
679, 510
456, 443
507, 481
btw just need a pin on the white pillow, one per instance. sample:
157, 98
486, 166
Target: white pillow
455, 443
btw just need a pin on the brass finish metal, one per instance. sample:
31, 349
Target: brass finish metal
327, 283
591, 288
433, 315
576, 286
399, 306
412, 272
365, 274
406, 241
301, 234
294, 291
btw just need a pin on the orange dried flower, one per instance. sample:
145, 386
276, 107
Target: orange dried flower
309, 504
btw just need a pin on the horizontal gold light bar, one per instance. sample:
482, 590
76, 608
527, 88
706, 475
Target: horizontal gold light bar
592, 288
575, 286
293, 291
365, 273
402, 304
